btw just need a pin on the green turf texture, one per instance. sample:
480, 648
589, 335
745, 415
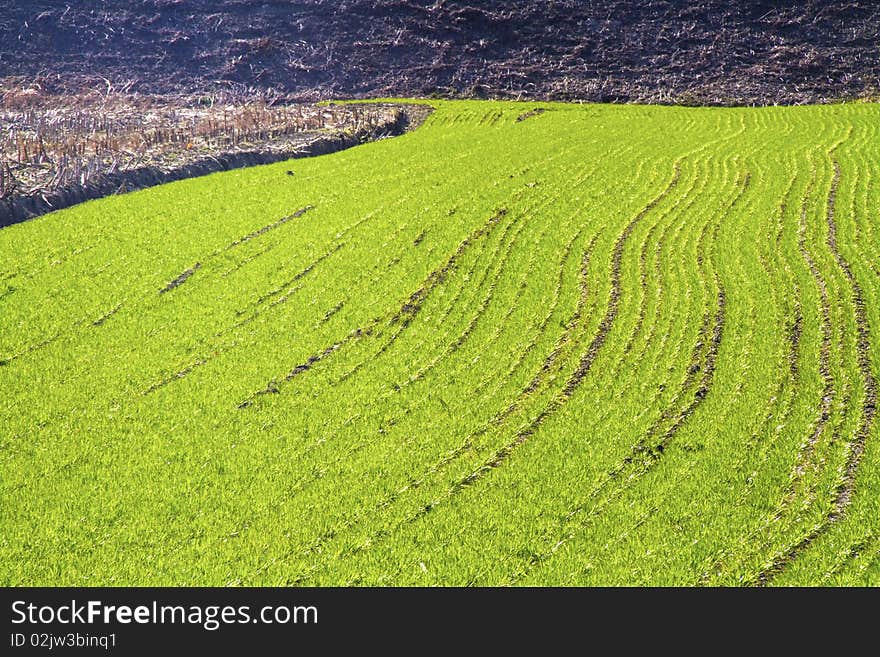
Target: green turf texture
602, 345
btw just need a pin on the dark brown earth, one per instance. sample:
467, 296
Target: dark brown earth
706, 51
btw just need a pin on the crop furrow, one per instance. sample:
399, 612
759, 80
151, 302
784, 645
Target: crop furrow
782, 402
181, 279
480, 312
570, 326
806, 459
498, 459
265, 229
272, 387
103, 318
402, 317
807, 450
856, 447
335, 309
853, 552
451, 456
649, 450
863, 349
587, 359
643, 456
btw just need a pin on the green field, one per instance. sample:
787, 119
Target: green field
598, 345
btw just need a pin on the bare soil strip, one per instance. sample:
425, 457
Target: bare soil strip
794, 336
181, 279
272, 226
177, 375
103, 318
527, 115
335, 309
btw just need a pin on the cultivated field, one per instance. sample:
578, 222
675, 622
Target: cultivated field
584, 345
57, 150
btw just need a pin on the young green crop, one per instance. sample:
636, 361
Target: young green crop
589, 345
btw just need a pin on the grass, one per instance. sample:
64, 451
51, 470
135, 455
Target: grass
597, 345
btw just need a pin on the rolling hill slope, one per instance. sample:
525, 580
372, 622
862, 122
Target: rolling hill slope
784, 51
524, 344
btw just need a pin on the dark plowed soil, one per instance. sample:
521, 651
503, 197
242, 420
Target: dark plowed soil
706, 51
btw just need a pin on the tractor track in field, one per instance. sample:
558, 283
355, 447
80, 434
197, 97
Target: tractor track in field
336, 244
416, 300
503, 253
542, 326
450, 457
863, 349
793, 327
487, 299
454, 454
403, 316
357, 448
584, 365
281, 295
795, 330
691, 195
570, 326
585, 361
267, 228
437, 278
277, 296
512, 308
272, 387
643, 284
36, 346
856, 447
103, 318
460, 340
457, 452
523, 435
807, 451
335, 309
854, 551
168, 287
434, 279
182, 278
481, 309
302, 273
823, 415
644, 456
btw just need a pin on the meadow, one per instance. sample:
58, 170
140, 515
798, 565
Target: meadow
524, 344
